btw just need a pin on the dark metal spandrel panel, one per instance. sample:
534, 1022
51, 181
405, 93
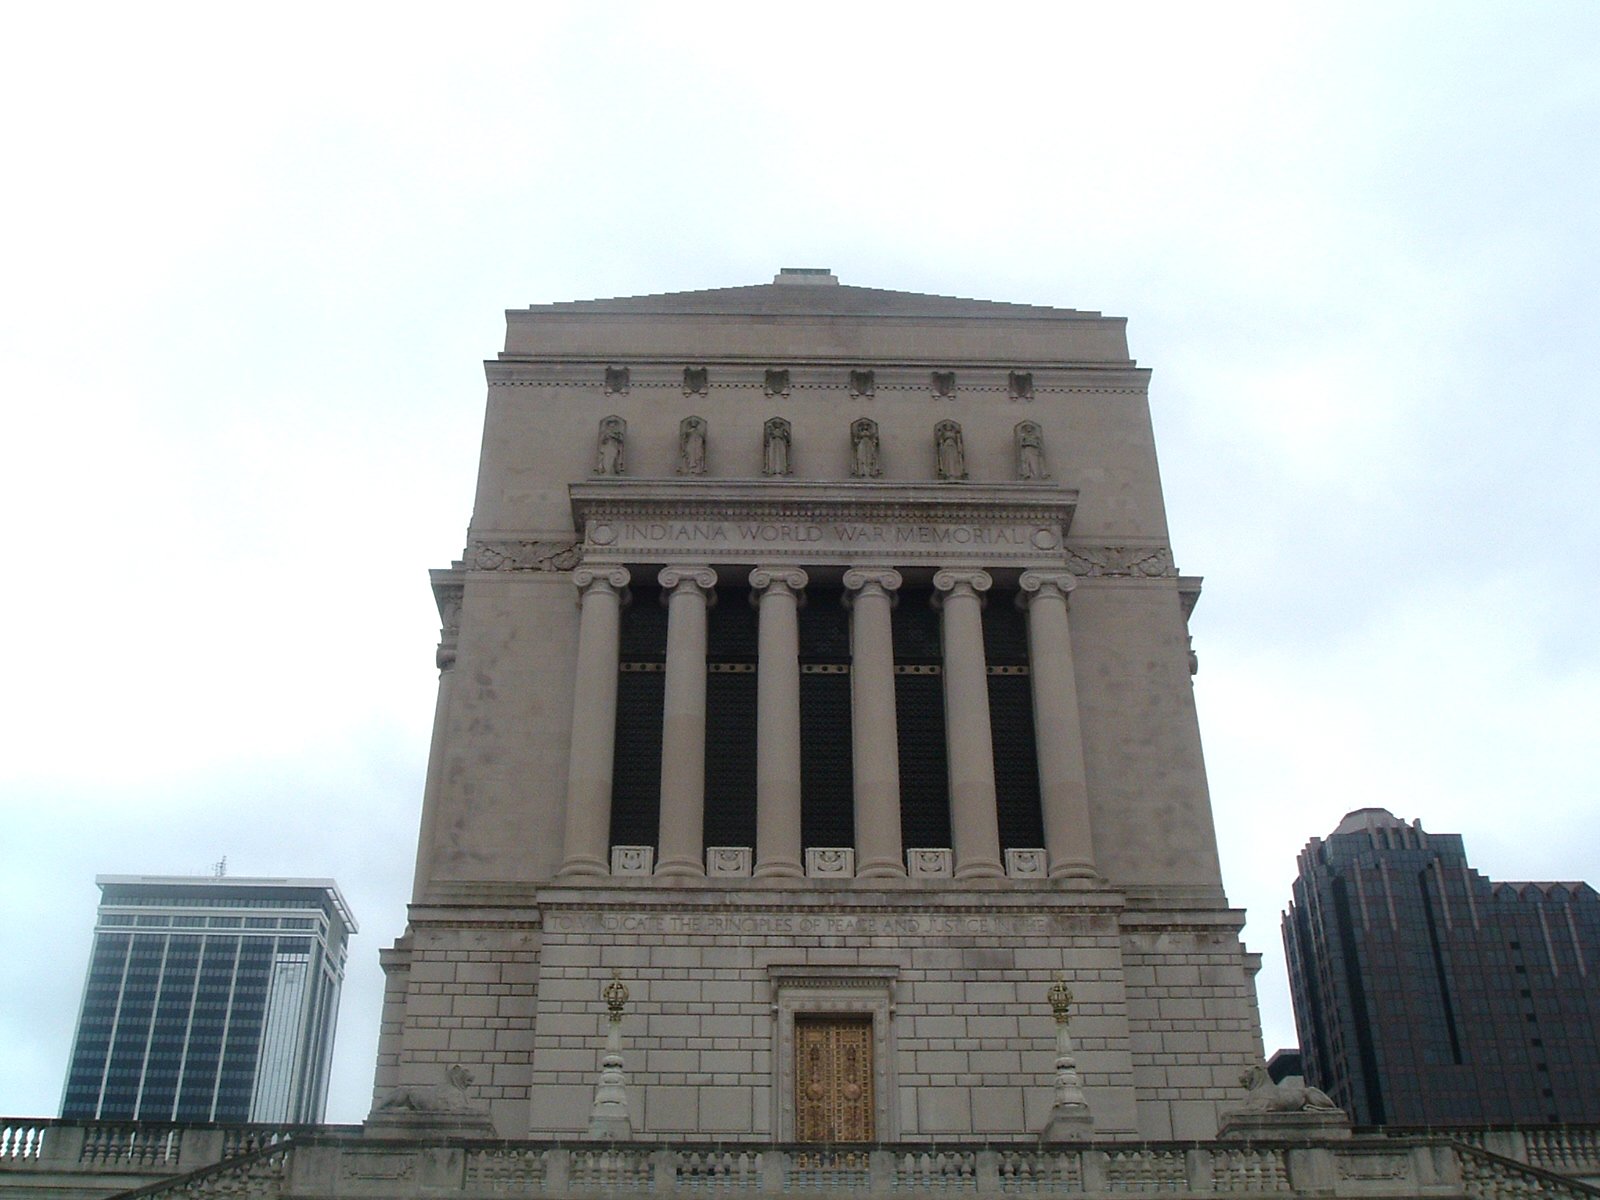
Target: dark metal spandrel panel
730, 812
636, 767
1016, 762
1005, 631
824, 626
827, 814
731, 627
924, 769
915, 627
644, 625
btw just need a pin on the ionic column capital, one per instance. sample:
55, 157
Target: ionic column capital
675, 577
605, 579
961, 582
872, 581
779, 579
1034, 584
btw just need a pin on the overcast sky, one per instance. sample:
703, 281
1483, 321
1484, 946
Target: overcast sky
251, 268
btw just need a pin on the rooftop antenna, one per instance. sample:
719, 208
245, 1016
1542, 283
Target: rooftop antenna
220, 867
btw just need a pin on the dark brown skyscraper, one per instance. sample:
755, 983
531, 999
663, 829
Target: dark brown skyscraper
1426, 994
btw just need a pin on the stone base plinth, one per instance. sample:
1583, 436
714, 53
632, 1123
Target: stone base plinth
1310, 1124
1069, 1123
425, 1126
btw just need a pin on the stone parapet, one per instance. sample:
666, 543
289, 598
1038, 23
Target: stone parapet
316, 1165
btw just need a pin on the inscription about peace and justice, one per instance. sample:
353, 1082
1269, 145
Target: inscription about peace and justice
588, 924
842, 536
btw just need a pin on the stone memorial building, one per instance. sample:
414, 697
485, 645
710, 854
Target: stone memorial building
817, 668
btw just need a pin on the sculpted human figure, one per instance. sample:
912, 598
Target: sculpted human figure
1030, 452
608, 459
864, 442
775, 447
692, 446
949, 452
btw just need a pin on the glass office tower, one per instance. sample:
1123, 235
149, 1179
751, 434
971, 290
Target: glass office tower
1427, 994
209, 999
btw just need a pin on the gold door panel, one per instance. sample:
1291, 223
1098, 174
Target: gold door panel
833, 1099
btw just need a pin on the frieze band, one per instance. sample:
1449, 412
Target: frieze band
523, 556
1148, 562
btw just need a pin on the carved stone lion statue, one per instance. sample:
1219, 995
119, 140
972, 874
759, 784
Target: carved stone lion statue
449, 1097
1268, 1097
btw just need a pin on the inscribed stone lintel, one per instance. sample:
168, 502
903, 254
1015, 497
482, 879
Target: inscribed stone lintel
912, 922
655, 520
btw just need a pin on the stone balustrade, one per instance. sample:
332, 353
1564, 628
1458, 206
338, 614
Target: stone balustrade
65, 1158
1570, 1150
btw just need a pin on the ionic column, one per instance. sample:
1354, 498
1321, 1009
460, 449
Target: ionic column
974, 821
683, 721
1063, 784
776, 592
587, 839
875, 749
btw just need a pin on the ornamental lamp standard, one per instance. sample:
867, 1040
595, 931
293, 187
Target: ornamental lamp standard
1070, 1119
609, 1118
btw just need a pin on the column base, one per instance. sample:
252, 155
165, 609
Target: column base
1069, 1123
584, 865
882, 868
778, 870
982, 869
1077, 875
681, 868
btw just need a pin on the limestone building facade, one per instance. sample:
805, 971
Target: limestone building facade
817, 666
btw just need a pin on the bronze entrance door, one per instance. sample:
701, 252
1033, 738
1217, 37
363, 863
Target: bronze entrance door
833, 1099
